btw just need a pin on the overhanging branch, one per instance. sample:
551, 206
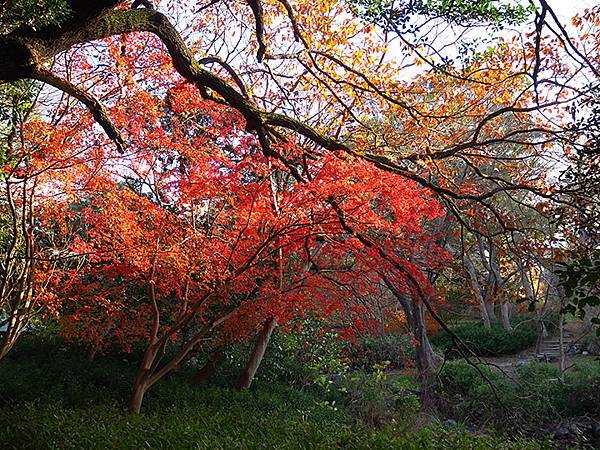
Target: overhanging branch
94, 106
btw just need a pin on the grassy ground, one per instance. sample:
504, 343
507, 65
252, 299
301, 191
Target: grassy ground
52, 397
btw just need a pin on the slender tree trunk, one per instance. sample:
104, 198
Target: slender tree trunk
487, 313
137, 396
257, 354
489, 306
424, 352
92, 354
561, 343
542, 334
424, 355
7, 341
16, 325
505, 316
6, 345
141, 385
538, 342
485, 317
415, 317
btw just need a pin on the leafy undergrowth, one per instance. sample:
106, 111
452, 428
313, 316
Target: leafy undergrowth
494, 341
537, 396
53, 397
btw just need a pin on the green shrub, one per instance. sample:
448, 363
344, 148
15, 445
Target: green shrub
541, 394
293, 358
368, 352
377, 399
56, 398
583, 382
546, 396
467, 395
537, 396
492, 341
301, 356
460, 378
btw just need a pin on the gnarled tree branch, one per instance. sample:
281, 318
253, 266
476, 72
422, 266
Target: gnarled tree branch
95, 107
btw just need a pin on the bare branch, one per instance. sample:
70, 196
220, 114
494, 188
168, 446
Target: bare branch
94, 106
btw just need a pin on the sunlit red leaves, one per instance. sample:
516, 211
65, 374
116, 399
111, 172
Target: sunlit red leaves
189, 211
204, 223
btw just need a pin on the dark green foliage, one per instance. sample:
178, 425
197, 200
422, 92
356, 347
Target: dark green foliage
580, 280
53, 397
377, 399
32, 13
466, 395
17, 100
461, 12
541, 393
299, 357
368, 352
49, 368
461, 378
295, 358
489, 342
537, 395
583, 395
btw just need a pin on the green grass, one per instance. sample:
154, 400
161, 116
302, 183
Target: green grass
52, 397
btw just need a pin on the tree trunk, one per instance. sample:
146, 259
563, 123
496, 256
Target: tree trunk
485, 317
19, 311
141, 384
489, 306
13, 332
92, 354
538, 342
257, 354
542, 333
5, 346
561, 340
487, 313
424, 351
137, 396
505, 316
415, 317
424, 356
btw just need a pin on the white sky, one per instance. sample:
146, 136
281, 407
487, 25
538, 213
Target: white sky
565, 9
